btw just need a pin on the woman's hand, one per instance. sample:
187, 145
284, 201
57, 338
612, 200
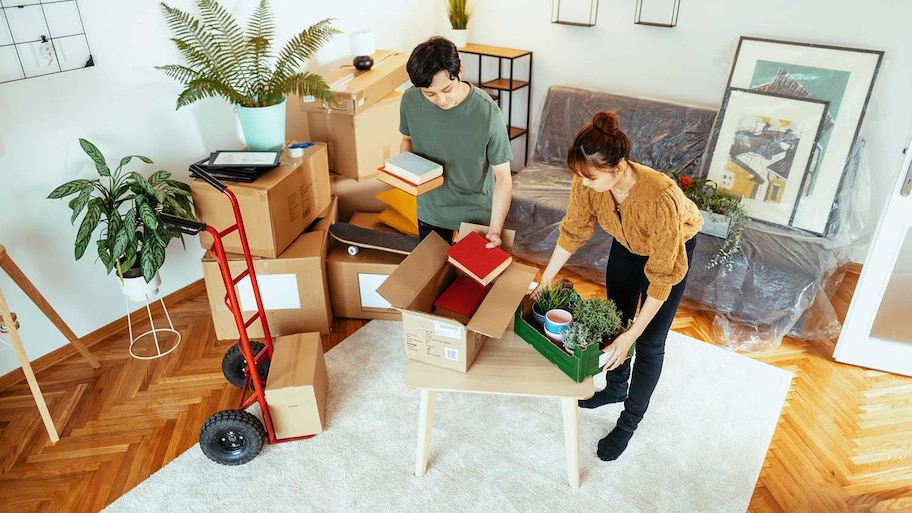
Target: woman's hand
621, 346
544, 283
494, 240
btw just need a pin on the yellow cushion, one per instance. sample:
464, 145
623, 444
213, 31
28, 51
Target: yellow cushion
402, 211
392, 218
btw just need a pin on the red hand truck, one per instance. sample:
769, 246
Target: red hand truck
234, 437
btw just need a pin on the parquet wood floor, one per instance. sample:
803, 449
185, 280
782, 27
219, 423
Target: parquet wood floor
841, 444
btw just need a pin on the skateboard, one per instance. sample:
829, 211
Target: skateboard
357, 238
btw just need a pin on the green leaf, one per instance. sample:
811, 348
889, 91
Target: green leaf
86, 228
147, 216
96, 157
159, 177
71, 187
79, 203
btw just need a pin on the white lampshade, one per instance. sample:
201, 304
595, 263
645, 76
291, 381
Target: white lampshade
362, 43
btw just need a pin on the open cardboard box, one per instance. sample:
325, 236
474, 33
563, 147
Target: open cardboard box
423, 276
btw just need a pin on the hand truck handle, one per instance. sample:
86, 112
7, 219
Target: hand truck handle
187, 226
200, 172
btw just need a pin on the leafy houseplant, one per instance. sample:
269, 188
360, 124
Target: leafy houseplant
710, 198
240, 66
595, 319
458, 14
124, 206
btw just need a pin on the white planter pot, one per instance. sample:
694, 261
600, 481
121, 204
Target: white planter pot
714, 224
136, 289
459, 37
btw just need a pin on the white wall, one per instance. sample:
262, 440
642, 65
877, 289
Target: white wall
125, 106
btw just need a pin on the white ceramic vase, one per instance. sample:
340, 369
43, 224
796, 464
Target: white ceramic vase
136, 289
459, 37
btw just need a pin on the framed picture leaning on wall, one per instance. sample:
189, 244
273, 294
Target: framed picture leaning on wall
762, 148
843, 77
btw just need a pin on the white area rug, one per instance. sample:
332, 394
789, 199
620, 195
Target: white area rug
700, 447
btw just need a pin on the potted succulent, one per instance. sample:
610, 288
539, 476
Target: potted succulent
596, 320
723, 215
240, 66
121, 207
458, 14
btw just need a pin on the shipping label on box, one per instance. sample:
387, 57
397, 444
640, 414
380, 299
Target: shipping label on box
275, 208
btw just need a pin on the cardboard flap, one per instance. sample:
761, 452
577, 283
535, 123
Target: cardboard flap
496, 311
416, 271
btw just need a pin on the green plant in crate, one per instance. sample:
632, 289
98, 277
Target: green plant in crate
124, 205
556, 296
594, 320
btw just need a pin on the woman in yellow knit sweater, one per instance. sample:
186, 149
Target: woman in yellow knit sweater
653, 225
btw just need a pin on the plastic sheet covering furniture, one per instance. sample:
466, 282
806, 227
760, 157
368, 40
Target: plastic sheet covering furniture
775, 286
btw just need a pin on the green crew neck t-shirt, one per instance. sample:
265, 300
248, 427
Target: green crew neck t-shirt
467, 140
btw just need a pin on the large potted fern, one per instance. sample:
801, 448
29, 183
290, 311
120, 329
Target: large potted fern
241, 67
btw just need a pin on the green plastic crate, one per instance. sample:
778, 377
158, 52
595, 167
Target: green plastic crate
582, 363
579, 365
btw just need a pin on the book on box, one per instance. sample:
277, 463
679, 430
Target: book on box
471, 256
413, 168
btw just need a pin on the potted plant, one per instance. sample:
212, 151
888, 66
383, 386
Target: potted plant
559, 295
240, 66
121, 208
458, 14
596, 320
723, 215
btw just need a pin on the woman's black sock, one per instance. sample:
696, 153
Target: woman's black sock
613, 445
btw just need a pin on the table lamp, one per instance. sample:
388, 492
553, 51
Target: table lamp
362, 47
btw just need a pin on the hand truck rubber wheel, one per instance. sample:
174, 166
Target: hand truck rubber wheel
234, 365
232, 437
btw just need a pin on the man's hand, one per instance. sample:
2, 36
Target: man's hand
493, 240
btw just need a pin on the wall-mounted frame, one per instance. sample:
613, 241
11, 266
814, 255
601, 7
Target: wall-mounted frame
844, 77
657, 13
763, 147
40, 37
580, 13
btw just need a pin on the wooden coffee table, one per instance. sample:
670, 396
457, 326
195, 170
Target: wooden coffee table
508, 366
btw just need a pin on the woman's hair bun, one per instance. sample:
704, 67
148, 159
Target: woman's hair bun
606, 122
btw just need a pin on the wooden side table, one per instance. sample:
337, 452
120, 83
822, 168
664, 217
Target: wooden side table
508, 366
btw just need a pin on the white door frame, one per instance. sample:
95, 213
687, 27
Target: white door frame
885, 270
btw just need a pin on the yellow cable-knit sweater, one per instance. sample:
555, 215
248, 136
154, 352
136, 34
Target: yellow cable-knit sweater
654, 221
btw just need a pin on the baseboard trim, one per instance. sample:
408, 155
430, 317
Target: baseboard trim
116, 327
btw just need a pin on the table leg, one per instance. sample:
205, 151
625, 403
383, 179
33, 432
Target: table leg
571, 440
425, 421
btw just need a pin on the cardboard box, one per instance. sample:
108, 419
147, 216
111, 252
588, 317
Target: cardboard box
275, 208
297, 384
356, 90
353, 279
293, 287
419, 280
358, 145
355, 196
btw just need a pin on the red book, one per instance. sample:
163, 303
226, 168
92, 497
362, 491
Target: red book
461, 299
405, 185
482, 264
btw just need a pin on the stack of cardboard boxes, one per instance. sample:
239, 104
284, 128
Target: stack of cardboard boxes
360, 133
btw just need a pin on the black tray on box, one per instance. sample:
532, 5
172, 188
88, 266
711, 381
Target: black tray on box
231, 174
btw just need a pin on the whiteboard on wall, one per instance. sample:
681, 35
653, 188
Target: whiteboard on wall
40, 37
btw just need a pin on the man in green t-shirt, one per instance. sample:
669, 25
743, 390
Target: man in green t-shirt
460, 127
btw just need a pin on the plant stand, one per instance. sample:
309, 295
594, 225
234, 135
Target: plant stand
153, 332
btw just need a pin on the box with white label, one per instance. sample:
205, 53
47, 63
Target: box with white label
292, 286
354, 279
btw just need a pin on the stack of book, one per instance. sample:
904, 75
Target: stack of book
471, 256
411, 173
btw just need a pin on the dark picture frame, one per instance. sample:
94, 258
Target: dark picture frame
763, 148
842, 76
